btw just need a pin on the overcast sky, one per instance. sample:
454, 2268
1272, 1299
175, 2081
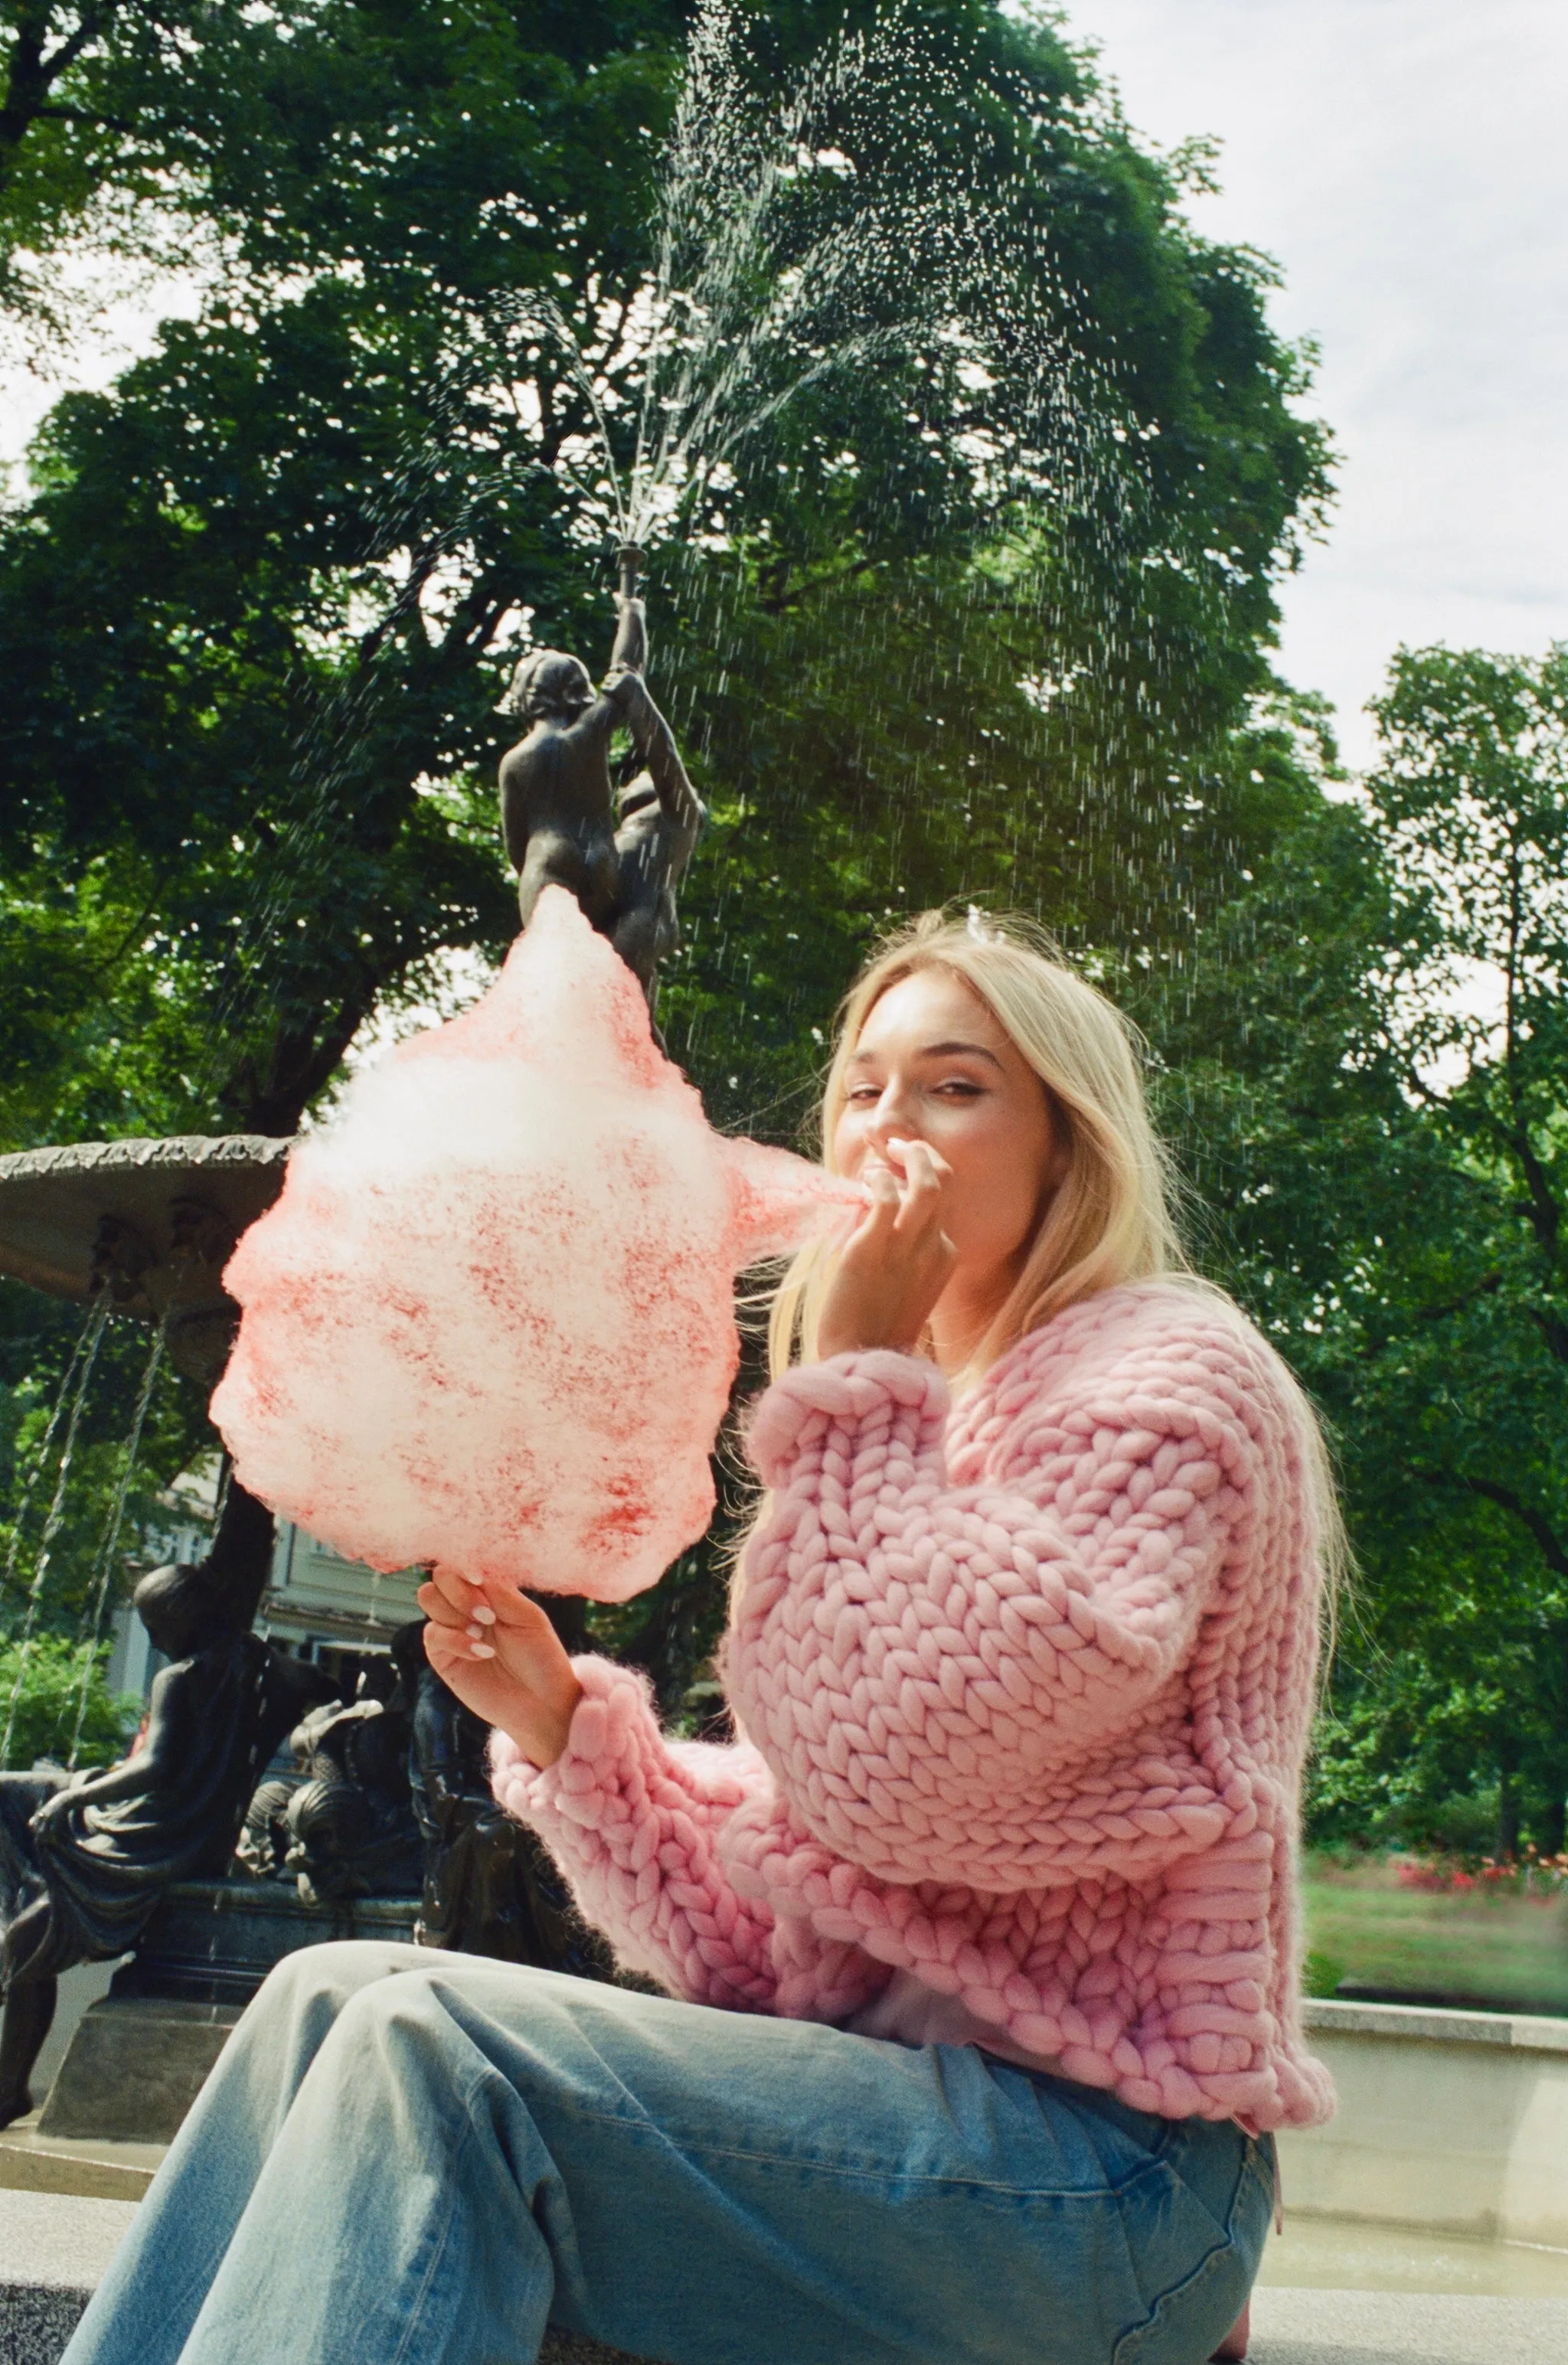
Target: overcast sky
1407, 162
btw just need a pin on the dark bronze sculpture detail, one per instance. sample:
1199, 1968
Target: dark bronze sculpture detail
346, 1827
86, 1858
557, 815
489, 1886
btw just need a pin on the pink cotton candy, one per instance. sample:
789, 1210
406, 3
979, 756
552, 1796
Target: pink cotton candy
489, 1321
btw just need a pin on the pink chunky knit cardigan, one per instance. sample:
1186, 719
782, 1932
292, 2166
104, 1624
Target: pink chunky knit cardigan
1027, 1694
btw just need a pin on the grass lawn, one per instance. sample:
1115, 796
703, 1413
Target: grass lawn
1510, 1952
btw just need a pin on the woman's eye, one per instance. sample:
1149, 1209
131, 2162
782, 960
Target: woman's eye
957, 1088
864, 1093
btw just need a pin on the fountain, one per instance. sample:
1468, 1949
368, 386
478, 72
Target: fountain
776, 263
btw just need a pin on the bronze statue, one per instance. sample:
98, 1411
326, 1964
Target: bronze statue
556, 811
86, 1858
349, 1825
489, 1886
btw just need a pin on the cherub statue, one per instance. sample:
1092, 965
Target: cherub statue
556, 811
350, 1827
86, 1858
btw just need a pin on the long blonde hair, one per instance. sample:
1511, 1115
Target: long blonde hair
1109, 1219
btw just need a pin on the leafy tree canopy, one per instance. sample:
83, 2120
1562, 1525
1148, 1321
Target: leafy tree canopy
991, 616
1379, 1111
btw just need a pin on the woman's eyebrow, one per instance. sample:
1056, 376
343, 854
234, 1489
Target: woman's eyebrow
935, 1051
969, 1050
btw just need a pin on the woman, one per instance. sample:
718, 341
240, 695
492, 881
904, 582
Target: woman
995, 1896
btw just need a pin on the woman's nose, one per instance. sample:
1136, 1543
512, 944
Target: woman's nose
891, 1120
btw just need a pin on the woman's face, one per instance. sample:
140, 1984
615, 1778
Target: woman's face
933, 1064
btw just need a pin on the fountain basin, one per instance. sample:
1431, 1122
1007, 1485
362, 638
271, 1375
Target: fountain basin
1453, 2122
153, 1222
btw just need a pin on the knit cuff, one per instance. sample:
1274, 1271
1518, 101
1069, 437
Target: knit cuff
613, 1735
847, 1388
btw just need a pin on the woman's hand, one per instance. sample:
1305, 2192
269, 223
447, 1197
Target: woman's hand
898, 1260
499, 1653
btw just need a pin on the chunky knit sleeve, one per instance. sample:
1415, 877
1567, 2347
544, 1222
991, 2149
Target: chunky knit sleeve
919, 1663
629, 1818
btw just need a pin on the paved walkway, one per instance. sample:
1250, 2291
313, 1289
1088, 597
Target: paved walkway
54, 2246
1360, 2328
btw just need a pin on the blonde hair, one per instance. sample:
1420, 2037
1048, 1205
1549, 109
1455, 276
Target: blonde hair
1109, 1219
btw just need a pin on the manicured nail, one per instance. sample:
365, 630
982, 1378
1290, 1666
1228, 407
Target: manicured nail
480, 1651
469, 1578
483, 1613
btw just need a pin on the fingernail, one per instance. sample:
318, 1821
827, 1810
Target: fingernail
469, 1578
480, 1651
483, 1613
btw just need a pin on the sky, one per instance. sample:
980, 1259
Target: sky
1406, 163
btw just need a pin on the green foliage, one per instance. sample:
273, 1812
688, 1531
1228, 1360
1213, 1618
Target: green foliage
255, 615
261, 596
1379, 1116
90, 1570
41, 1691
1321, 1974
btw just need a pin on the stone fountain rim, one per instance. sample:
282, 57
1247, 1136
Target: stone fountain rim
140, 1151
61, 1263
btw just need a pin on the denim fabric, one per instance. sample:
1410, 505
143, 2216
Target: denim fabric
403, 2158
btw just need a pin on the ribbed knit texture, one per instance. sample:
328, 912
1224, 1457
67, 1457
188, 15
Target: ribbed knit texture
1027, 1693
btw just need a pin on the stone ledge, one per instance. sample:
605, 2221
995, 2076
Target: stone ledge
1522, 2031
133, 2069
54, 2250
93, 2170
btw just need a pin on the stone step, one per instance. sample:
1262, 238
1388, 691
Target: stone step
31, 2162
1367, 2327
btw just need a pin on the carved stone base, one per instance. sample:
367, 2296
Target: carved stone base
140, 2058
134, 2067
215, 1941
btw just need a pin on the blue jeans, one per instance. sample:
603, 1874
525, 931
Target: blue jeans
403, 2158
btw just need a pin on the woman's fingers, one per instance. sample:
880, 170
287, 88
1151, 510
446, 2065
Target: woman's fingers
451, 1601
926, 1176
453, 1588
437, 1609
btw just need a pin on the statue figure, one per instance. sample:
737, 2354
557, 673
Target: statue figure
556, 811
348, 1830
86, 1858
489, 1886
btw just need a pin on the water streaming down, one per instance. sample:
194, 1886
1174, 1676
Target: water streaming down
103, 1561
85, 1344
53, 1519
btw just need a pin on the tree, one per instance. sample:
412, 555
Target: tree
258, 602
257, 612
1379, 1117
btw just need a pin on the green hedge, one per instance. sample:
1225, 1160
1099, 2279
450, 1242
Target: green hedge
44, 1681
